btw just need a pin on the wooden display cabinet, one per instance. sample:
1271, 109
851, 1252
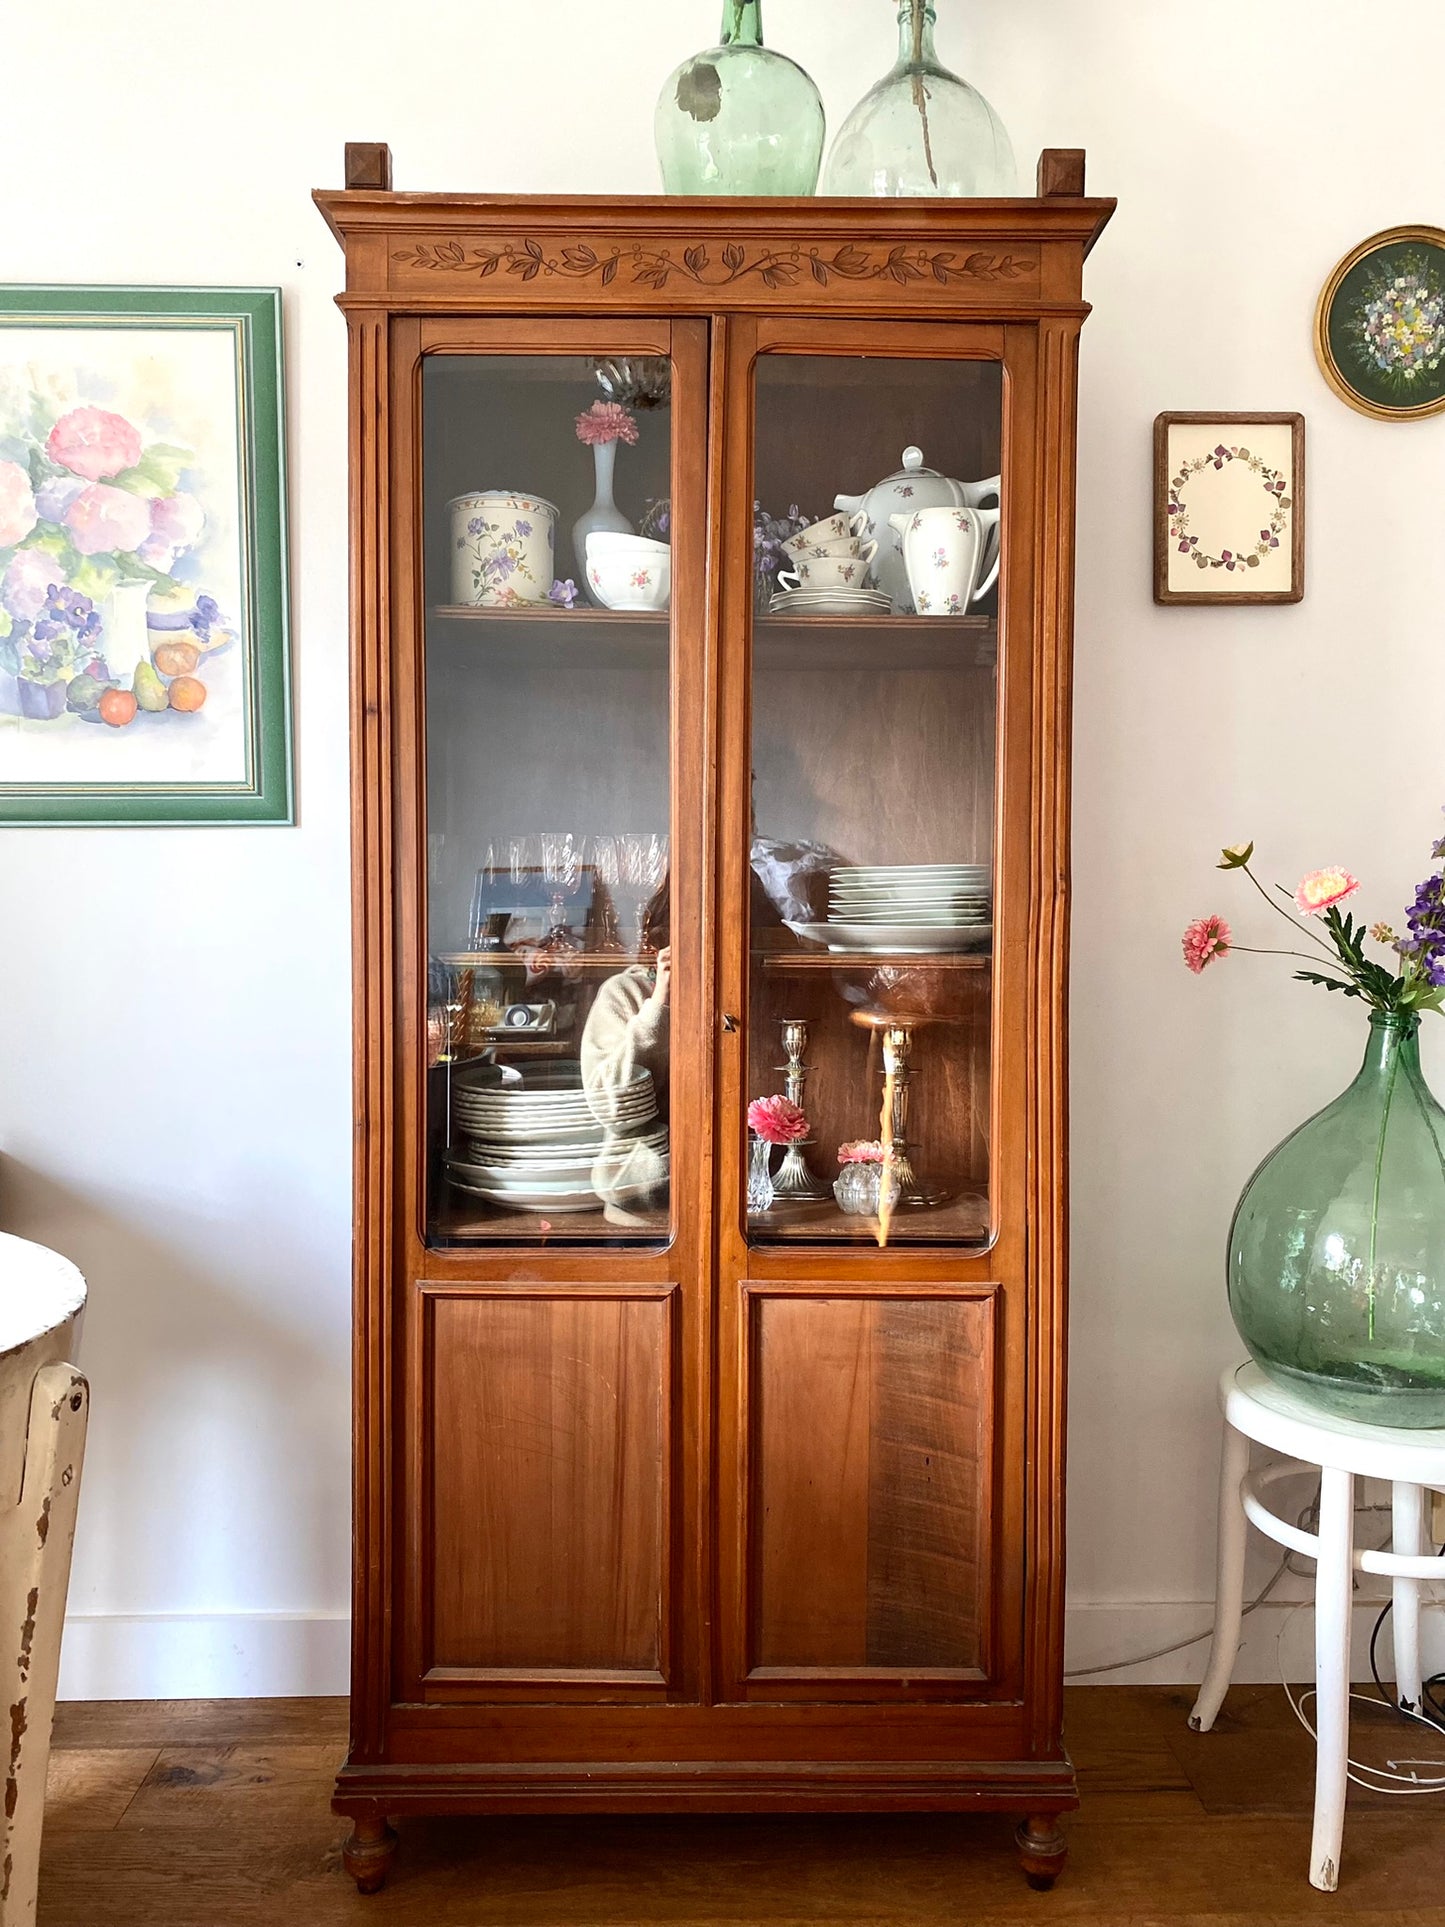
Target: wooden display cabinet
663, 1504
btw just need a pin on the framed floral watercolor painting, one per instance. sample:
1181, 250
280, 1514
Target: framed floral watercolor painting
1229, 508
1380, 325
144, 662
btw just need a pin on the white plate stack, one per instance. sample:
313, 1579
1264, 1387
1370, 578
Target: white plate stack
829, 602
527, 1139
925, 907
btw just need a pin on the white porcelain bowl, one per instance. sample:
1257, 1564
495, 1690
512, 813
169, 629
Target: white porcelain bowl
611, 541
629, 578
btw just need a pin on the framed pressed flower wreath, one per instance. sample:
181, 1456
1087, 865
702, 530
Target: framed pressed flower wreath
1229, 508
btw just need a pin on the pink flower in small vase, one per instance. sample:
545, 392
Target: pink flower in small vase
776, 1120
1321, 888
861, 1150
1204, 940
103, 519
17, 505
606, 421
94, 443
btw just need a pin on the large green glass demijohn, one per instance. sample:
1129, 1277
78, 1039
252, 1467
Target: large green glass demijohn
1337, 1250
921, 130
739, 118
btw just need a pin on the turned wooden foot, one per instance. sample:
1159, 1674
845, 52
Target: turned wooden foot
1042, 1850
368, 1854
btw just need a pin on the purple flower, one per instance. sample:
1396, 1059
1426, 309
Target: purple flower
56, 497
524, 528
31, 574
476, 525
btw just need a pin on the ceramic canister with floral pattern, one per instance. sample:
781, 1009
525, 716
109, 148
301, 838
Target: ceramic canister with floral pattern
502, 548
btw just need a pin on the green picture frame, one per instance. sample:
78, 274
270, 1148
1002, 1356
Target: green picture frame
144, 597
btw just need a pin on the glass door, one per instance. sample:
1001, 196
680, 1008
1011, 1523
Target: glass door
874, 892
552, 587
873, 681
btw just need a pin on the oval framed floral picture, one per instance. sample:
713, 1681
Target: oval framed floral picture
1380, 325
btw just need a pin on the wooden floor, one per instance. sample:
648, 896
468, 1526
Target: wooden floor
215, 1814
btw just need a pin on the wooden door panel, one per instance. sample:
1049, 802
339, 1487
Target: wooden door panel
549, 1484
870, 1486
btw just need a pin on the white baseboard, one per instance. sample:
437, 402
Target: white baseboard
1097, 1633
287, 1655
164, 1656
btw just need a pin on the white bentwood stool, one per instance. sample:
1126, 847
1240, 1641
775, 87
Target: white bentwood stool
1255, 1407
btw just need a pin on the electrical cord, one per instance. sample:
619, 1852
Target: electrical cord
1307, 1520
1377, 1779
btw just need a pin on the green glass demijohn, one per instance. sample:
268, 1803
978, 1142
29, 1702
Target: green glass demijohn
739, 118
921, 130
1337, 1250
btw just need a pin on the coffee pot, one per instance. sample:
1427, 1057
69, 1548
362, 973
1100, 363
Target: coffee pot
910, 488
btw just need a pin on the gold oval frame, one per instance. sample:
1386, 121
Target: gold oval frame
1435, 237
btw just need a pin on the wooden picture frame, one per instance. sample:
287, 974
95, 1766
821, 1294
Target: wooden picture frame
144, 649
1214, 542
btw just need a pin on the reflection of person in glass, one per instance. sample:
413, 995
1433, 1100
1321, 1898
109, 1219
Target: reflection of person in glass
627, 1032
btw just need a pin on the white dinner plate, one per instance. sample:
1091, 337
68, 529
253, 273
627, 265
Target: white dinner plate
922, 938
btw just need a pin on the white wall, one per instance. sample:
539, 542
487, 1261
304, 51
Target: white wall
174, 1023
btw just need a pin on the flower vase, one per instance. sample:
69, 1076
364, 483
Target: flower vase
126, 634
760, 1176
1337, 1250
604, 512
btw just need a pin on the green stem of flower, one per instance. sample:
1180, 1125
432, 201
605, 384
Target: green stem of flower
1258, 950
1293, 922
1375, 1192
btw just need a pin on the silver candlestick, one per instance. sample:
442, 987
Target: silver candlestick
898, 1067
793, 1179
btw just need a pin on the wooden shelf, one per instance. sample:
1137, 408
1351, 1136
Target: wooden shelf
462, 1220
979, 960
883, 643
963, 1220
531, 613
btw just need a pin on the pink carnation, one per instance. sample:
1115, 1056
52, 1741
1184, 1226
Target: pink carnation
94, 443
606, 421
17, 505
776, 1120
103, 520
1321, 888
31, 573
1204, 940
862, 1150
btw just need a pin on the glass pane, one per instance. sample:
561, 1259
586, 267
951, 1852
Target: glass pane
548, 802
874, 679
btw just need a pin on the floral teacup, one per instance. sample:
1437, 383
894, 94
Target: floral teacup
818, 535
829, 571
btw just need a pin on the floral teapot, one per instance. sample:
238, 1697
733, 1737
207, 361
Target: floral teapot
912, 487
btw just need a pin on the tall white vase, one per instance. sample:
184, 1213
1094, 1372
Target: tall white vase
604, 512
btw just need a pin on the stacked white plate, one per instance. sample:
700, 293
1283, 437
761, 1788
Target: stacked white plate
527, 1138
924, 907
830, 602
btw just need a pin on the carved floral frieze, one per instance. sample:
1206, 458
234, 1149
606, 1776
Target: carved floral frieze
734, 263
